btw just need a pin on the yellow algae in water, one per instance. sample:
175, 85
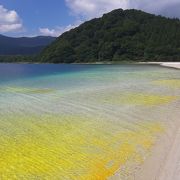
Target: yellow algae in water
27, 90
70, 147
174, 83
139, 99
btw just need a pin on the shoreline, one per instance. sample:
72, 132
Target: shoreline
160, 162
150, 170
163, 161
175, 65
171, 65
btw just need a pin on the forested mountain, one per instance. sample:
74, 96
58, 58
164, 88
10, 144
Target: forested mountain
117, 36
23, 45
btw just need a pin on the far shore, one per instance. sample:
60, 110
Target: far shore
175, 65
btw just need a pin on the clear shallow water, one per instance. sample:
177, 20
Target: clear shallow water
82, 121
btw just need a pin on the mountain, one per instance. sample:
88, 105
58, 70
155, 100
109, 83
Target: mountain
23, 45
117, 36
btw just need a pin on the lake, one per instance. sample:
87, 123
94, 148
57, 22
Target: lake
83, 121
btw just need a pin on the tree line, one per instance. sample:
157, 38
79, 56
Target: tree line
118, 36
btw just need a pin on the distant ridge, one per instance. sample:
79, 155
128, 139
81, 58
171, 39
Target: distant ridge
117, 36
23, 45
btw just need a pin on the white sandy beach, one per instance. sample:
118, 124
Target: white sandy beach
171, 64
165, 64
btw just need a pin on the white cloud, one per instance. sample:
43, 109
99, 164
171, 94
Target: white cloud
87, 9
9, 20
94, 8
58, 30
48, 32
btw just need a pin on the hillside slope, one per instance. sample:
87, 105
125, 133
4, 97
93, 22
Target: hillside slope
118, 35
23, 45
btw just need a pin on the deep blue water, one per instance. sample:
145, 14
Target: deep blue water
10, 72
17, 71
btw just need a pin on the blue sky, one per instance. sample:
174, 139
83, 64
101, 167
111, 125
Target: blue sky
40, 12
36, 14
53, 17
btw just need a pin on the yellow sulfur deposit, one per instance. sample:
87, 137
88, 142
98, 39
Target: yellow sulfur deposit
71, 146
26, 90
173, 83
139, 99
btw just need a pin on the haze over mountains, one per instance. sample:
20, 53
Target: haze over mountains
23, 45
117, 36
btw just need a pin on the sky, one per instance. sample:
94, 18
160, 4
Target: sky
53, 17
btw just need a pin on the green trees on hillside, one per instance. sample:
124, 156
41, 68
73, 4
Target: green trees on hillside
118, 36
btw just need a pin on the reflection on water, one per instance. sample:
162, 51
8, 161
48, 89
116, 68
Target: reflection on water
84, 123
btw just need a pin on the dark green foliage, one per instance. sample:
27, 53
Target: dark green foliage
118, 36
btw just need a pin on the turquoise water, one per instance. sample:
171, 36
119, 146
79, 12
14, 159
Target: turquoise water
82, 121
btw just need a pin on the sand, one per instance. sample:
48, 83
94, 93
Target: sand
171, 64
163, 162
171, 169
165, 64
